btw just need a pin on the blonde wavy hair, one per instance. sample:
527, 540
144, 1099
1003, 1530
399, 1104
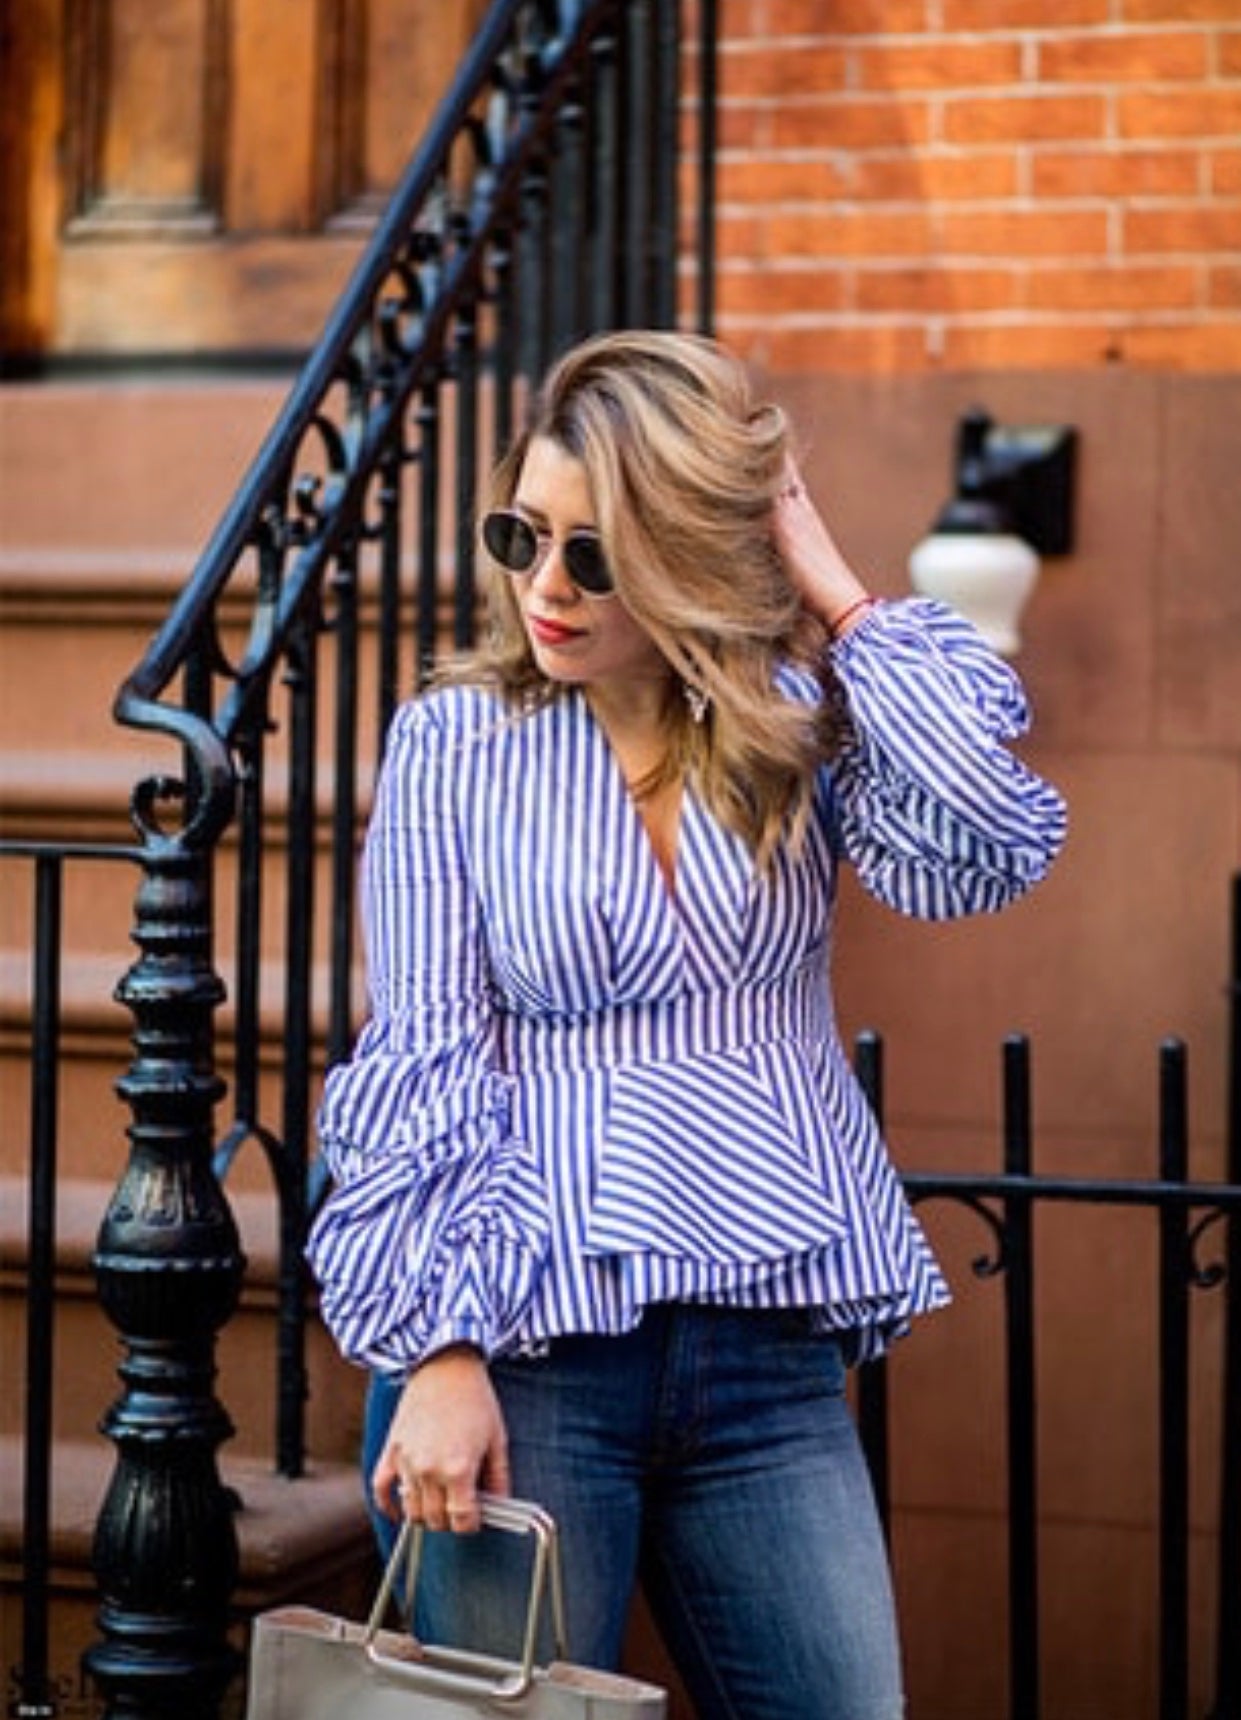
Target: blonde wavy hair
683, 467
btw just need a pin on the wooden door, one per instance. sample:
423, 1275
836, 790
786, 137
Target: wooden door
197, 176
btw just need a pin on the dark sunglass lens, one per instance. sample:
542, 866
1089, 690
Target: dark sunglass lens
587, 566
511, 540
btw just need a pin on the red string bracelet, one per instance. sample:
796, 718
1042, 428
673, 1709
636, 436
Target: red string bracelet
859, 604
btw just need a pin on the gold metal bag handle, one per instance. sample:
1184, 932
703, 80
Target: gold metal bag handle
447, 1671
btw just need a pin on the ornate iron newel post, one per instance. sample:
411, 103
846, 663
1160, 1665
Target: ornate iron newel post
169, 1268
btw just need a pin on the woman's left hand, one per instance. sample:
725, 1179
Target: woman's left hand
827, 585
447, 1439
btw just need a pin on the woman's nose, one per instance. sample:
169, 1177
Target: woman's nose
551, 578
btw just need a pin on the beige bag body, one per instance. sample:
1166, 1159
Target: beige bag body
310, 1665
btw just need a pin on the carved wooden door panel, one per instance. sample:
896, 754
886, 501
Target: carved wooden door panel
197, 176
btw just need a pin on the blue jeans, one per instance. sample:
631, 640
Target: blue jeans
711, 1455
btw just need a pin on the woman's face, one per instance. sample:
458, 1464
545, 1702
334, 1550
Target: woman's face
590, 641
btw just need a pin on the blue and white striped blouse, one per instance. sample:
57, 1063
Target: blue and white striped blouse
577, 1092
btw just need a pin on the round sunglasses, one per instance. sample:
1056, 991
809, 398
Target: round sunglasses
519, 547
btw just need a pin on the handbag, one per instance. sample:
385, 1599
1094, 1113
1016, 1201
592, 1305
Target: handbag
311, 1665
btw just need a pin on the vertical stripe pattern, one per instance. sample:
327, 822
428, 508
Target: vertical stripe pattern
577, 1093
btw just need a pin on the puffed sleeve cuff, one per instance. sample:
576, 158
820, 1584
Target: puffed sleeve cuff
438, 1242
450, 1333
935, 812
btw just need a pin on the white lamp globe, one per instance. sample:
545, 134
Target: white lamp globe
986, 576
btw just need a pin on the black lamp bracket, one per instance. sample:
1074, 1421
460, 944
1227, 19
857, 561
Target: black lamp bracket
1027, 472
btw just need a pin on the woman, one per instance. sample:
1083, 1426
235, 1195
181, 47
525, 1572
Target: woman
611, 1217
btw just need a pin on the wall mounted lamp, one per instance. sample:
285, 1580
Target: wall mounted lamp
1013, 503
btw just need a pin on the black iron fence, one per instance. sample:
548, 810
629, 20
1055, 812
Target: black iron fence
38, 871
1199, 1251
1191, 1217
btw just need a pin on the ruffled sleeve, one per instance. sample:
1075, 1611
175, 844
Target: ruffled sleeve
937, 815
436, 1226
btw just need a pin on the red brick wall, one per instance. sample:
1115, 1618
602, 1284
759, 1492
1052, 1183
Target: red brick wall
908, 185
1033, 205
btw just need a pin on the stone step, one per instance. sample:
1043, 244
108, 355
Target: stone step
96, 1049
57, 692
62, 798
105, 464
87, 1347
306, 1541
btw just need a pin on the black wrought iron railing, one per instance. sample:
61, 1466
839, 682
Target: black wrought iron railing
1198, 1249
36, 874
564, 185
1187, 1214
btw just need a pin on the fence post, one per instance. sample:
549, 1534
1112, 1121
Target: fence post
169, 1268
36, 1695
1228, 1620
1021, 1394
1175, 1273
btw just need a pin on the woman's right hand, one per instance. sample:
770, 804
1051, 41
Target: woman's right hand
447, 1440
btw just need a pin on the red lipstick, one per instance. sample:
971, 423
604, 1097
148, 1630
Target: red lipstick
552, 632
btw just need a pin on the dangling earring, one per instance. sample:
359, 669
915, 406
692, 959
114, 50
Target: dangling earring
697, 701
